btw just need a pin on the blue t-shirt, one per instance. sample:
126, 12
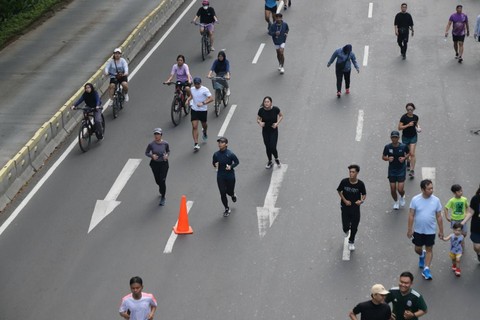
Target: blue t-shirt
456, 244
425, 219
270, 3
396, 168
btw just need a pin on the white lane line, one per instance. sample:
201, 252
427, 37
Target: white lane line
280, 6
358, 136
72, 145
259, 52
173, 235
365, 56
104, 207
266, 215
229, 116
370, 9
428, 173
346, 252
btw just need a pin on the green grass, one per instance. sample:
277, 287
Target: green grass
18, 24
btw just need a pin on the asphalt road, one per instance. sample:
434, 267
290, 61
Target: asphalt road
53, 268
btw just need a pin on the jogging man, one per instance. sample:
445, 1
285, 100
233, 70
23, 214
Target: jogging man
396, 153
425, 208
199, 99
407, 303
225, 162
138, 305
403, 23
352, 194
374, 309
279, 32
460, 27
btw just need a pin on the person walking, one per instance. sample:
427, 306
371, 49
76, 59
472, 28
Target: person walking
425, 209
374, 309
403, 24
459, 29
158, 151
458, 204
268, 118
138, 305
457, 240
279, 32
396, 154
199, 99
270, 11
409, 126
343, 67
476, 30
407, 303
225, 162
474, 214
352, 194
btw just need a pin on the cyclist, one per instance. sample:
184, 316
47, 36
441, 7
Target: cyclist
92, 99
221, 67
117, 69
182, 73
199, 101
207, 16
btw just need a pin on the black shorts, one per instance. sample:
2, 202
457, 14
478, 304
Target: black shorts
198, 115
458, 38
475, 237
393, 179
122, 79
273, 10
420, 239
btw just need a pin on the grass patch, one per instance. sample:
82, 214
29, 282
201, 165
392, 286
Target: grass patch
21, 23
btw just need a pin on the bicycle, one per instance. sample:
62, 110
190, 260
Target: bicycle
218, 84
206, 46
87, 128
118, 99
178, 102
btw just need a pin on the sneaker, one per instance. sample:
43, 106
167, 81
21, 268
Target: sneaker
234, 198
347, 91
162, 201
456, 55
228, 91
279, 67
282, 70
351, 247
411, 174
421, 260
426, 274
402, 201
126, 97
204, 136
196, 147
285, 7
454, 268
339, 94
404, 56
227, 211
396, 205
269, 165
212, 49
408, 165
278, 163
458, 272
460, 59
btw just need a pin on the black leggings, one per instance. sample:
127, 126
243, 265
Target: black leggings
340, 75
160, 170
350, 221
226, 186
270, 138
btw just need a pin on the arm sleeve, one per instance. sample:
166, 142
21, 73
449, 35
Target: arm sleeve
421, 304
98, 102
340, 186
107, 67
354, 60
227, 63
80, 100
334, 55
287, 29
271, 31
214, 159
357, 309
363, 190
125, 66
214, 65
123, 306
236, 162
167, 148
148, 151
385, 150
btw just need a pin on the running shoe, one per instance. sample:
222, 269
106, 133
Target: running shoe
162, 201
402, 201
285, 7
212, 49
339, 94
204, 136
227, 211
426, 274
408, 165
454, 267
396, 205
126, 97
351, 247
196, 147
234, 198
421, 260
282, 70
278, 163
347, 91
279, 67
460, 59
228, 91
458, 272
456, 55
404, 56
269, 165
411, 174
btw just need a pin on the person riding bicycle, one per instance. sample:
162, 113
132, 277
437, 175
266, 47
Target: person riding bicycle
207, 16
182, 73
117, 69
221, 67
92, 99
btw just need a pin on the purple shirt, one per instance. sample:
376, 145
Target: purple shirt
181, 72
459, 23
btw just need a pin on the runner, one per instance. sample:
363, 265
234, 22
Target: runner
199, 99
279, 32
407, 303
138, 305
409, 126
268, 118
159, 151
270, 11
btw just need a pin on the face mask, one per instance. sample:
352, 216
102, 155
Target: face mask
205, 7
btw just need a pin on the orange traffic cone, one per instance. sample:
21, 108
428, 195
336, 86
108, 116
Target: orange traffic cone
182, 226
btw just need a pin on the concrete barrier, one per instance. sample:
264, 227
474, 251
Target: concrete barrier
31, 157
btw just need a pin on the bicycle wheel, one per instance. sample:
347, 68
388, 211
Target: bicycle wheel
115, 107
176, 111
204, 47
103, 125
218, 101
226, 98
186, 108
84, 137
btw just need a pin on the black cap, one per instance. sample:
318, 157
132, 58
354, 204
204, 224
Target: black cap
394, 133
222, 139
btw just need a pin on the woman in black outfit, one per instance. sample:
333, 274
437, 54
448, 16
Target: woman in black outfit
269, 117
92, 100
159, 150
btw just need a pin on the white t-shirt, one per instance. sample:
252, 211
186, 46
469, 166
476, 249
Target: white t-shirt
425, 219
139, 309
199, 95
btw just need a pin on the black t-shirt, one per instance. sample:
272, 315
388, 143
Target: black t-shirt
475, 205
410, 131
206, 15
351, 192
269, 117
403, 21
396, 168
372, 311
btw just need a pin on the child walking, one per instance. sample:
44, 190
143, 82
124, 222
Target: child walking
456, 247
459, 206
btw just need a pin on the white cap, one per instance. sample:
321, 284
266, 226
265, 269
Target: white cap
117, 50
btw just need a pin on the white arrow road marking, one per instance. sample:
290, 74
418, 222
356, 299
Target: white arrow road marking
267, 214
173, 235
104, 207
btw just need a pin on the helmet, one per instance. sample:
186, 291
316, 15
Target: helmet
205, 3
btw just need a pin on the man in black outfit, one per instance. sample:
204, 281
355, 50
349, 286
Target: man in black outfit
352, 194
375, 309
403, 23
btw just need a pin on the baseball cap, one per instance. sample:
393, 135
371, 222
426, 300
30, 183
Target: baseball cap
197, 80
395, 133
222, 139
117, 50
157, 130
378, 289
